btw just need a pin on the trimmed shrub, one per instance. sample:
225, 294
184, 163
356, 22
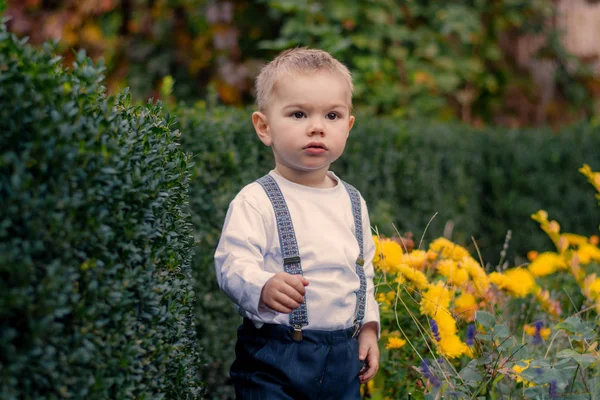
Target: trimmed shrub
226, 157
95, 238
480, 182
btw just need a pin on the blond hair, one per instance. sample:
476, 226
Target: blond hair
298, 60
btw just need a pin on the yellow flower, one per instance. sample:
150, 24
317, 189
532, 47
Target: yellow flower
437, 296
446, 324
532, 255
552, 228
541, 216
415, 259
477, 274
451, 270
391, 296
413, 275
519, 369
395, 343
591, 286
593, 177
432, 255
448, 249
388, 254
378, 251
517, 281
451, 346
469, 352
381, 298
588, 253
465, 306
547, 263
575, 240
400, 279
531, 331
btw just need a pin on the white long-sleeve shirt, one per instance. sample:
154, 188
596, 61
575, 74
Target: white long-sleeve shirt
249, 253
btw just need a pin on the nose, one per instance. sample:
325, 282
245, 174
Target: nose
316, 127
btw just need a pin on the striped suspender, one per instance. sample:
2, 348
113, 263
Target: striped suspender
360, 261
291, 256
289, 246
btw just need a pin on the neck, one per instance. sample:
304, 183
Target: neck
316, 179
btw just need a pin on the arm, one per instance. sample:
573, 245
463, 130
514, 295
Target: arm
239, 257
239, 262
368, 349
372, 307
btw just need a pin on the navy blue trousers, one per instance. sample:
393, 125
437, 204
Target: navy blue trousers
270, 365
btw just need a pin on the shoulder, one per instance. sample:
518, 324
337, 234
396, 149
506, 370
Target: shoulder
353, 191
254, 197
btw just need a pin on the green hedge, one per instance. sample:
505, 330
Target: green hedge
226, 157
95, 238
480, 182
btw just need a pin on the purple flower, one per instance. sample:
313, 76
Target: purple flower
470, 334
537, 337
428, 373
553, 389
435, 329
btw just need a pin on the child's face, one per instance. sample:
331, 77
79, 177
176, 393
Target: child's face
307, 122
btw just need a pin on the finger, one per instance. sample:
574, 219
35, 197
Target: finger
373, 366
369, 373
303, 280
292, 293
277, 306
286, 301
362, 352
364, 369
296, 282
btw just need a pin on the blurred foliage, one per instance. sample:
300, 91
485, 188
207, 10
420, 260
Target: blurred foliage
450, 60
527, 331
227, 157
96, 300
481, 183
439, 60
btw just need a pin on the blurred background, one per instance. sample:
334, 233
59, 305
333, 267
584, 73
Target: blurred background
479, 110
511, 63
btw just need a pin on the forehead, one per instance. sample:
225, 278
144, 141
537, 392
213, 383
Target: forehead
314, 86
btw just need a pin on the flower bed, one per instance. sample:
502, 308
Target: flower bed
452, 328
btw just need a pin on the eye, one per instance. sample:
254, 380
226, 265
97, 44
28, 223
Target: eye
298, 114
332, 116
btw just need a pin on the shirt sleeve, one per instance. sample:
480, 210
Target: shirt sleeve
372, 308
239, 258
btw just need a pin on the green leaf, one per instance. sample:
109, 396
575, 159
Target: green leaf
485, 319
585, 360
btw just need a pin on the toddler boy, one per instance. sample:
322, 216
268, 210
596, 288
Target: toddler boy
296, 248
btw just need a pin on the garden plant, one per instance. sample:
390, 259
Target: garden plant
96, 300
525, 332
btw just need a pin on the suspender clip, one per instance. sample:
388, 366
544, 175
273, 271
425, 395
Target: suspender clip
297, 335
356, 328
291, 260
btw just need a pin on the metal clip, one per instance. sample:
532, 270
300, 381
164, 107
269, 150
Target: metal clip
297, 335
356, 328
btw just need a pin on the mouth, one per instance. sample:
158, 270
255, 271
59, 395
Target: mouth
315, 145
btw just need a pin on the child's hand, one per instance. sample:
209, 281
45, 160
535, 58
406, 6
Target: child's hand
284, 292
368, 350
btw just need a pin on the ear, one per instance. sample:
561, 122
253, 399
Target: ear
261, 126
350, 124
